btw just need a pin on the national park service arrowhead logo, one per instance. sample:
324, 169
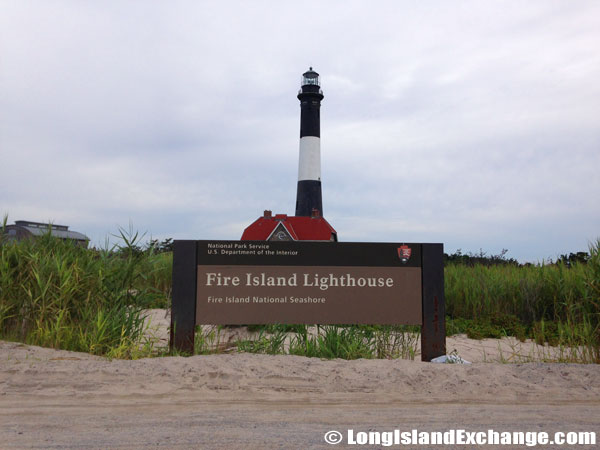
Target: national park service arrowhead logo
404, 252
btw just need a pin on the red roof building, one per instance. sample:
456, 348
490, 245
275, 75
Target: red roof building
281, 227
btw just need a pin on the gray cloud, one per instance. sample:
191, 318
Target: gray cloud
471, 123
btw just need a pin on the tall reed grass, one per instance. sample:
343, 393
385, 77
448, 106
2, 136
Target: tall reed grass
56, 294
556, 303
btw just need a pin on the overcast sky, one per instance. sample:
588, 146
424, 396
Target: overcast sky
475, 124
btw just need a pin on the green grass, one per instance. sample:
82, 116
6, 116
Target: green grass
55, 294
554, 303
334, 341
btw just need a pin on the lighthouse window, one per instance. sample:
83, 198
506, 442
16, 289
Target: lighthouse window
311, 80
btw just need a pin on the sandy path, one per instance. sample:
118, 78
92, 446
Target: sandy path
57, 399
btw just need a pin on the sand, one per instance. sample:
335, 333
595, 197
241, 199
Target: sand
59, 399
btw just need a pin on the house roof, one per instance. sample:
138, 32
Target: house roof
299, 228
39, 229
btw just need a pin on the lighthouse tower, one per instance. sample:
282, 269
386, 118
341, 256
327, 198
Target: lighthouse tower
308, 224
308, 197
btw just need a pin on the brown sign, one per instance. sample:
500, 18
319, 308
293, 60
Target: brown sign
254, 294
259, 282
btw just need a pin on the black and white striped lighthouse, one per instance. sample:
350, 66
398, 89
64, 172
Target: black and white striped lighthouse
308, 224
308, 197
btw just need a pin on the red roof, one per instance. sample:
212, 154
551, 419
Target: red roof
299, 228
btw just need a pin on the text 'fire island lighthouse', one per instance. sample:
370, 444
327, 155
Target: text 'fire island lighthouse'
308, 224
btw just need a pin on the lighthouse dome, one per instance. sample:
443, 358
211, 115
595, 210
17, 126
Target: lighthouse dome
310, 78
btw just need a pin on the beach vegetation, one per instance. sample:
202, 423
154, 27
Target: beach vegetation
54, 293
557, 303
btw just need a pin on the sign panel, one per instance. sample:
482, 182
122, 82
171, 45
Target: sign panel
259, 282
308, 282
305, 294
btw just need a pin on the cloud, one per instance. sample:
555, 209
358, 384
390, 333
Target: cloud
471, 123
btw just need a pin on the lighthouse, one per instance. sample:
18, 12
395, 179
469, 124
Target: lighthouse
308, 224
308, 195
